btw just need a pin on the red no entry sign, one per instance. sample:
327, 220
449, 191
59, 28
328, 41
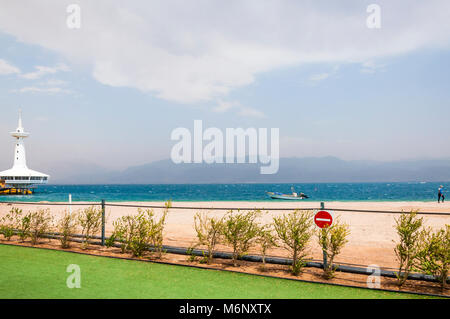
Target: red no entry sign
323, 219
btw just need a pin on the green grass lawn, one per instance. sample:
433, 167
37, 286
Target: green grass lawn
39, 273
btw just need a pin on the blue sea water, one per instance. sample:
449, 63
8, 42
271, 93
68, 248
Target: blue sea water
234, 192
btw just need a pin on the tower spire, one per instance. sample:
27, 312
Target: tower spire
19, 152
20, 127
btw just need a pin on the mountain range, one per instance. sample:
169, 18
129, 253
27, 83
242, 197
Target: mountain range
291, 170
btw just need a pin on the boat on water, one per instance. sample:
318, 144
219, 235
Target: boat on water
293, 196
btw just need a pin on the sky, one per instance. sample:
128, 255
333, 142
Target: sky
111, 92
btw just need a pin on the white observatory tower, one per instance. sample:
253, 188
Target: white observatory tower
20, 178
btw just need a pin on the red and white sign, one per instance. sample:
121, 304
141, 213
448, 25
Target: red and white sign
323, 219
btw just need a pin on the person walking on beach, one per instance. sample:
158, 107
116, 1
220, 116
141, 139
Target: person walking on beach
440, 194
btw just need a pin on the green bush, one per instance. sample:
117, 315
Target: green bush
295, 231
433, 257
90, 220
110, 241
332, 239
23, 224
204, 259
40, 223
15, 223
123, 230
408, 227
156, 230
139, 232
67, 226
8, 223
209, 233
139, 236
266, 240
192, 257
239, 231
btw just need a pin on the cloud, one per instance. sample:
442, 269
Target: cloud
7, 68
199, 51
323, 76
53, 82
45, 90
371, 67
224, 106
319, 77
251, 112
44, 70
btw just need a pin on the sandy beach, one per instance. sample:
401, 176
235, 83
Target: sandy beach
371, 239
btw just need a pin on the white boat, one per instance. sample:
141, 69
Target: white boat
293, 196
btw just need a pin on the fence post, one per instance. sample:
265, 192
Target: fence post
325, 257
103, 222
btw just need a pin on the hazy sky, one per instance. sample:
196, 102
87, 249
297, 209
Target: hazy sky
112, 91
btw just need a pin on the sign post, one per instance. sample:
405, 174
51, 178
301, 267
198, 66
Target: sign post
103, 222
323, 219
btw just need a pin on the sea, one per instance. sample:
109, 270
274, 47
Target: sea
414, 191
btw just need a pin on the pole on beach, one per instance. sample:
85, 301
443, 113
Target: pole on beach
103, 222
325, 257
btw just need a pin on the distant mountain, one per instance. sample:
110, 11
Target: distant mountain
292, 170
78, 173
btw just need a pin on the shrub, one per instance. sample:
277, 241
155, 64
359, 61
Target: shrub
8, 223
156, 235
40, 223
138, 241
192, 257
110, 241
209, 232
240, 231
23, 224
137, 232
433, 257
295, 231
266, 240
204, 259
332, 239
90, 220
123, 230
408, 229
66, 227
